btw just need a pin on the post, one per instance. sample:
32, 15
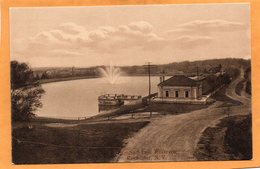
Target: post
163, 73
72, 71
197, 72
149, 73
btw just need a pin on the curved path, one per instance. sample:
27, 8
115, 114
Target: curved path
175, 137
230, 92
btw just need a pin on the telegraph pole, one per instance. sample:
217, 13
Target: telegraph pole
197, 72
149, 80
149, 72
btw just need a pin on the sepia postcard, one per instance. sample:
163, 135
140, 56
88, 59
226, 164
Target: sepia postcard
130, 83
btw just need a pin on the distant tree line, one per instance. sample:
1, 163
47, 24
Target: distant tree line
190, 67
187, 67
55, 73
208, 66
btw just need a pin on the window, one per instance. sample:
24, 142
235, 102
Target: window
176, 93
167, 93
186, 93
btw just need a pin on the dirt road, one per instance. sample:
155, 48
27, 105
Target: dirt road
174, 137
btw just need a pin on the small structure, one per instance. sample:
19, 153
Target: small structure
180, 89
110, 102
116, 99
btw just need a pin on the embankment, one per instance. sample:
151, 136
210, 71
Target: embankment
231, 139
98, 142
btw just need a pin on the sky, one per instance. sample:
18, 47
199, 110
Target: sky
129, 35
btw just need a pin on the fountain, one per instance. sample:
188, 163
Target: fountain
111, 72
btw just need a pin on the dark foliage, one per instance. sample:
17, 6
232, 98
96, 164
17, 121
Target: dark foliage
248, 73
21, 75
25, 92
239, 137
44, 75
212, 82
233, 72
248, 80
248, 87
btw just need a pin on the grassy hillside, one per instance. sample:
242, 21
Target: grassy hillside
83, 143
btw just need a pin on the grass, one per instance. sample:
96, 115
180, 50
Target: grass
239, 87
231, 139
221, 96
172, 108
84, 143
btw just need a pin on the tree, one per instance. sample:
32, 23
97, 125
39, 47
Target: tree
26, 92
45, 75
21, 75
219, 67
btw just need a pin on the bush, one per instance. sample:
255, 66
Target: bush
239, 137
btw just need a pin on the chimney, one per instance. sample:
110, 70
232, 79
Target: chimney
162, 77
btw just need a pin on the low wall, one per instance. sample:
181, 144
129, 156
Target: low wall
169, 100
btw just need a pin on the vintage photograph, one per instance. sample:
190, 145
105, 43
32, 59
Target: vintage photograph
131, 83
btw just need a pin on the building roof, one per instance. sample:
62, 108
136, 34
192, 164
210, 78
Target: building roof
198, 78
178, 80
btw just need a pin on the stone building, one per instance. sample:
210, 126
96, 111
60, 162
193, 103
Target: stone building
180, 87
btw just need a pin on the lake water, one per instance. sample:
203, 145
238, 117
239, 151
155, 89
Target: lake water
79, 98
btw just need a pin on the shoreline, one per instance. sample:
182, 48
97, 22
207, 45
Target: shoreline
53, 80
45, 81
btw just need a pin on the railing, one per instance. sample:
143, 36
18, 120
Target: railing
119, 97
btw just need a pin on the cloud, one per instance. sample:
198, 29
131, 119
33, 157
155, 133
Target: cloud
141, 26
213, 25
71, 36
64, 53
71, 28
192, 41
71, 39
206, 27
